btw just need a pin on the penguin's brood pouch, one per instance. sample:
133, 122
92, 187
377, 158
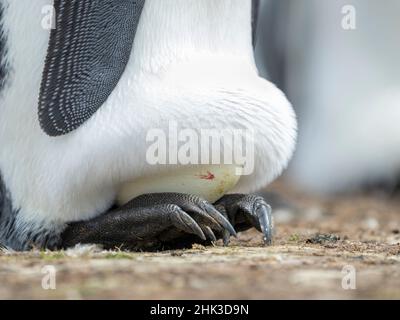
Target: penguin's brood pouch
79, 100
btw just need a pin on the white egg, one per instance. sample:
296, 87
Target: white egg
210, 182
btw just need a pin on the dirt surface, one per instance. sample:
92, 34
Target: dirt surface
317, 242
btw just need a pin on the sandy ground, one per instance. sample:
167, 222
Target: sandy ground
318, 242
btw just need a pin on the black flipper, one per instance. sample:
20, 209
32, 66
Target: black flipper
88, 52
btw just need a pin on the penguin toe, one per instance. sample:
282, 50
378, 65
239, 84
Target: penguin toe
208, 218
247, 211
153, 222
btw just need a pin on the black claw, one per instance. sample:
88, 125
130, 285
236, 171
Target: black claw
204, 216
210, 234
264, 215
246, 211
187, 223
220, 219
226, 238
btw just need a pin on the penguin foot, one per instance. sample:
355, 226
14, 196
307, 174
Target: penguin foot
151, 222
247, 211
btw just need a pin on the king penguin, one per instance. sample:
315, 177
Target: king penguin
78, 99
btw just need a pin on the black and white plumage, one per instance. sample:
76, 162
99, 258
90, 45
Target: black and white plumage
191, 62
86, 57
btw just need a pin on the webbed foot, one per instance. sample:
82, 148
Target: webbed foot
151, 221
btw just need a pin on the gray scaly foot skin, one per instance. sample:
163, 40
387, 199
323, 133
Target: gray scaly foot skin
246, 211
151, 221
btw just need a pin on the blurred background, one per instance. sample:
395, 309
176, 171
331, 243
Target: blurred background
338, 62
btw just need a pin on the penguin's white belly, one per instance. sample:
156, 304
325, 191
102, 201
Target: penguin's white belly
210, 182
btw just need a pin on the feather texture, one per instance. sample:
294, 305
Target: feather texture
88, 52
